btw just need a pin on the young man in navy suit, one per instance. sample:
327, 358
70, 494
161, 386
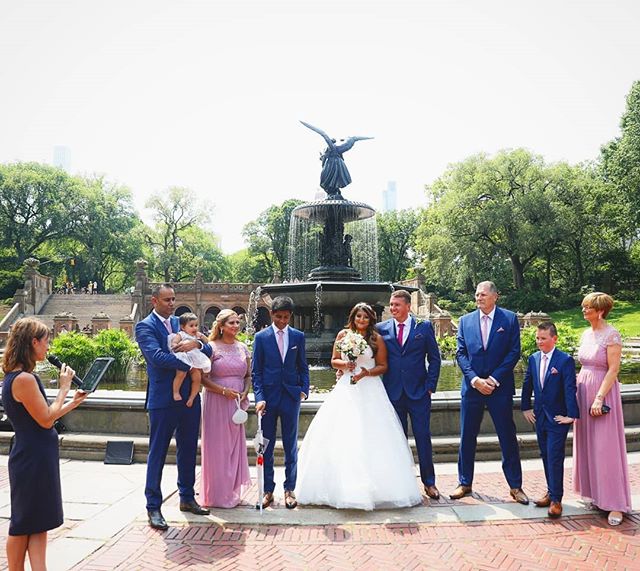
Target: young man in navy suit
551, 377
488, 350
280, 381
167, 416
411, 343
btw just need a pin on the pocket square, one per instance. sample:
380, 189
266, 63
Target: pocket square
500, 330
293, 348
554, 371
419, 335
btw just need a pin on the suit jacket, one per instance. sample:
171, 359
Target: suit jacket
271, 376
151, 336
498, 359
558, 395
407, 369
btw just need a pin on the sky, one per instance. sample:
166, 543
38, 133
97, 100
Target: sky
208, 94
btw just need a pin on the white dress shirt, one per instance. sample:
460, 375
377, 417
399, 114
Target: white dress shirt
405, 331
285, 337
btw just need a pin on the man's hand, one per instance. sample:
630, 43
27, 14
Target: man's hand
529, 416
187, 345
563, 419
485, 386
303, 396
260, 407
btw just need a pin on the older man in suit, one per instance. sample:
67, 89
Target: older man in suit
167, 416
488, 350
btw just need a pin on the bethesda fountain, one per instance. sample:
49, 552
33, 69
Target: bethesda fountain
333, 256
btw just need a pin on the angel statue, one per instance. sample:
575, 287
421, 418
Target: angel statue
335, 174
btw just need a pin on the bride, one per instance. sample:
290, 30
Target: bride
355, 453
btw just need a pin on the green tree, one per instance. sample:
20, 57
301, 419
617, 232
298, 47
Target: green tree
38, 204
397, 234
268, 238
494, 207
174, 212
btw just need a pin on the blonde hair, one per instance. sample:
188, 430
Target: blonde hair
221, 320
19, 351
598, 301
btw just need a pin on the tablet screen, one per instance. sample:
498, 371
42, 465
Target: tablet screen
95, 373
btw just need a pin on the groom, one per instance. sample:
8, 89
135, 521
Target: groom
408, 382
280, 381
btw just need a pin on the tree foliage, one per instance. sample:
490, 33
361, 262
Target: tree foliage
396, 241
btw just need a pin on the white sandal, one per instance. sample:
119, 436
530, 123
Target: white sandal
614, 519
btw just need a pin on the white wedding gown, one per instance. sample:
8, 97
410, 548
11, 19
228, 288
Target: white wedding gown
355, 453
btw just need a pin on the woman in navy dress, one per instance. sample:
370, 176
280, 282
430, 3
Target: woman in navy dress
34, 466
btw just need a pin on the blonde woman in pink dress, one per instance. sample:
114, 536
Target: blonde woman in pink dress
600, 472
225, 467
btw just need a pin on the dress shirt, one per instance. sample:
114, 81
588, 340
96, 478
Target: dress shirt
285, 338
406, 330
490, 315
549, 355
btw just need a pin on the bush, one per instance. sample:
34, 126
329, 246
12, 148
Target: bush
627, 295
116, 343
529, 300
447, 346
568, 339
74, 349
10, 281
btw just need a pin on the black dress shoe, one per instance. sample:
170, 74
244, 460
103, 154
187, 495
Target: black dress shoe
193, 507
432, 492
156, 521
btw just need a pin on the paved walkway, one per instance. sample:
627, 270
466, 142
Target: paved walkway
105, 528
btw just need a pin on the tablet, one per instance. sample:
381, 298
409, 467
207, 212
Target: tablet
95, 373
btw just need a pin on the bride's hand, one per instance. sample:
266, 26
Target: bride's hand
350, 366
363, 373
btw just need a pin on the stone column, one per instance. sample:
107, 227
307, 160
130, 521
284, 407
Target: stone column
100, 321
126, 325
64, 322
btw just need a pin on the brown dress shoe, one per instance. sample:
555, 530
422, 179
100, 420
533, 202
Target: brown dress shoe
432, 492
519, 496
267, 500
460, 492
544, 501
555, 509
290, 499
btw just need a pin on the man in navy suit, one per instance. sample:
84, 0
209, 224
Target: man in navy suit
408, 382
551, 376
167, 416
280, 381
488, 350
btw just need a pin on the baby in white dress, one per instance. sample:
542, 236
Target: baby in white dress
199, 361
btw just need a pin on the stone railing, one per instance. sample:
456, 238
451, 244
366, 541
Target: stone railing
6, 322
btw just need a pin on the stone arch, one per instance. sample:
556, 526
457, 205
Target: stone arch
210, 315
182, 309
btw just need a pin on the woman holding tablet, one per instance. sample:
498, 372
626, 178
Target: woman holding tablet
34, 467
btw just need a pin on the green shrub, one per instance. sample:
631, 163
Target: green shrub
447, 346
568, 339
74, 349
116, 343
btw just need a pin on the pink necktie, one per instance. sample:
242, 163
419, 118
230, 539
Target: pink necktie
281, 343
167, 324
400, 331
543, 370
485, 330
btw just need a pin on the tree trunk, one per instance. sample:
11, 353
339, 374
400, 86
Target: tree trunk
517, 268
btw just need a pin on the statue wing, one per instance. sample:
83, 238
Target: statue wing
360, 138
320, 132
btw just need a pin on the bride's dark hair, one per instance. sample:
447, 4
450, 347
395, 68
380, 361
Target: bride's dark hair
371, 335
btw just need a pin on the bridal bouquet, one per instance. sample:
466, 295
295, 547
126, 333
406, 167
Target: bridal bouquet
352, 345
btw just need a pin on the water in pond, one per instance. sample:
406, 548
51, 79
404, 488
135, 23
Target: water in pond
323, 378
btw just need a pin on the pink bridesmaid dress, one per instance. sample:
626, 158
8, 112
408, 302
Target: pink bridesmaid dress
225, 466
600, 471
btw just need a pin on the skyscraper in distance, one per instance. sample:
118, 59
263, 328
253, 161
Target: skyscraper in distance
390, 197
62, 157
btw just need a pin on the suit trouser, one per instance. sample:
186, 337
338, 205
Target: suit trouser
420, 413
288, 411
551, 441
500, 405
163, 422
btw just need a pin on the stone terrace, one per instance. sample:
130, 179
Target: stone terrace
85, 306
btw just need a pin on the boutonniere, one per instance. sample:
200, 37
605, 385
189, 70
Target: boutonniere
554, 371
419, 320
500, 330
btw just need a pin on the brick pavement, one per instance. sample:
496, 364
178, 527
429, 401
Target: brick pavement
580, 542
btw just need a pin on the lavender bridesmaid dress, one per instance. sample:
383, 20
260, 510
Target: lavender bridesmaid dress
600, 471
225, 467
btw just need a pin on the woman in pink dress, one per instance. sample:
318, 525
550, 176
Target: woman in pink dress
600, 472
225, 467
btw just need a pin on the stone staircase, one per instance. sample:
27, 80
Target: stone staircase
85, 306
